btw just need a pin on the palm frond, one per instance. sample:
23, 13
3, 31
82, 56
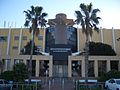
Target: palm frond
44, 15
79, 17
38, 10
84, 8
96, 28
26, 23
83, 25
90, 7
32, 10
95, 11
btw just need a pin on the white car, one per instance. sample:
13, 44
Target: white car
112, 84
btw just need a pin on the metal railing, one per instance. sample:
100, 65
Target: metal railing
21, 87
84, 86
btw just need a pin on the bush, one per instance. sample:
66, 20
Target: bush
7, 75
101, 49
20, 72
109, 75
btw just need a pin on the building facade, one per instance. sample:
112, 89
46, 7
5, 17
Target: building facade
13, 40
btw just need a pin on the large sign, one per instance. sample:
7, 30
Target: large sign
60, 51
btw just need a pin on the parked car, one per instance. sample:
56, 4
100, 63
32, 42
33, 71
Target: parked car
112, 84
91, 84
5, 85
34, 81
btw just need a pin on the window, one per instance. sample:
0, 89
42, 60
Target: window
24, 37
40, 37
16, 38
15, 47
18, 61
3, 38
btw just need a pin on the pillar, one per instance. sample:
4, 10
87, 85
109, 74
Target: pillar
96, 68
20, 41
6, 67
37, 68
8, 45
108, 65
25, 61
101, 34
119, 65
69, 67
113, 39
11, 64
50, 66
78, 39
83, 68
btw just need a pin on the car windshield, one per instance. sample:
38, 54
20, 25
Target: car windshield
118, 81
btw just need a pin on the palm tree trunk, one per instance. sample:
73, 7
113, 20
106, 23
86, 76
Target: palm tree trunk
30, 62
86, 59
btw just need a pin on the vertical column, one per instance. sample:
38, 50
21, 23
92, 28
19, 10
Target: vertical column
37, 68
78, 38
108, 65
90, 38
44, 40
83, 68
50, 66
96, 68
69, 67
113, 39
8, 45
6, 61
20, 41
101, 32
25, 61
11, 64
119, 65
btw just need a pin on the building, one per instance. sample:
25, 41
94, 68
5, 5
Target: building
60, 45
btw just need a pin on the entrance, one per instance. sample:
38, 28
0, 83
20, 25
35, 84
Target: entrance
60, 70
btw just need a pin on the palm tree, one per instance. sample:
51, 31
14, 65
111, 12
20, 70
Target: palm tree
87, 18
35, 19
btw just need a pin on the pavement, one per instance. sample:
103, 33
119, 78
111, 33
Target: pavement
59, 84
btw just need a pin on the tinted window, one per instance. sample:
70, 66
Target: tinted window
1, 82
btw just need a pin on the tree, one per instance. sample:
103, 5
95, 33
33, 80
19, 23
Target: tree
20, 72
101, 49
27, 48
108, 75
34, 19
87, 18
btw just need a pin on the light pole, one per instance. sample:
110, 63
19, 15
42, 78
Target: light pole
46, 75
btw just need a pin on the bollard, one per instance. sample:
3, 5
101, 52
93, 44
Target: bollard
76, 85
49, 84
63, 82
53, 81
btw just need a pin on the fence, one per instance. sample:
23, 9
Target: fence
89, 86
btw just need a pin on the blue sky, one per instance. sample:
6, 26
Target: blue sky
11, 11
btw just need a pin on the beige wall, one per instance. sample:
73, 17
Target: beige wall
107, 36
96, 37
117, 35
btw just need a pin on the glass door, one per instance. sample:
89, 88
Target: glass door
60, 70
